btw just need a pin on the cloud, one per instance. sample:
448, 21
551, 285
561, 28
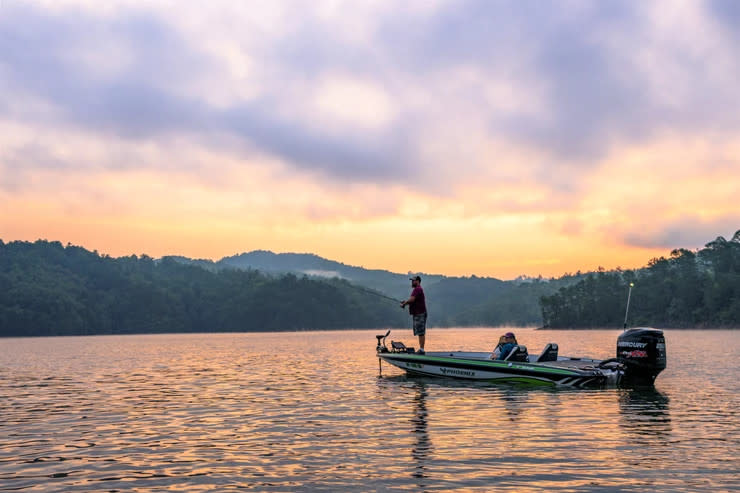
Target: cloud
521, 101
347, 156
727, 12
145, 97
138, 73
685, 232
102, 74
593, 71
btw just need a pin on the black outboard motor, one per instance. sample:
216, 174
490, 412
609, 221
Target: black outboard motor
642, 352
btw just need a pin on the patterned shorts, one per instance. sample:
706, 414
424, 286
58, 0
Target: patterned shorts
420, 324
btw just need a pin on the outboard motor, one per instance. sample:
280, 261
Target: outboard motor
642, 352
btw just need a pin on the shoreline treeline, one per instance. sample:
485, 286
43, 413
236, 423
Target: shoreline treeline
688, 289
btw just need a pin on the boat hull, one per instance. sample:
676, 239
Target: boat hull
476, 367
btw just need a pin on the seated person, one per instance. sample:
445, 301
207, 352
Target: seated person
497, 349
505, 344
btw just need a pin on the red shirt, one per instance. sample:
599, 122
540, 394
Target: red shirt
418, 306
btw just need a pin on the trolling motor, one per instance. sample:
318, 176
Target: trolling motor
381, 348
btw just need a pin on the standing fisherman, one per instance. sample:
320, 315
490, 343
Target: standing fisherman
418, 310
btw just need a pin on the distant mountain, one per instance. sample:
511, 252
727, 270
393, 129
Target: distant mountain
452, 301
392, 284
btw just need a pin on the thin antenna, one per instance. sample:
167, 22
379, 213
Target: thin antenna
629, 294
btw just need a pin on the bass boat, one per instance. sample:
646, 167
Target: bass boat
641, 356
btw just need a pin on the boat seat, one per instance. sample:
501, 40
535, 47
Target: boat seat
518, 353
399, 347
550, 353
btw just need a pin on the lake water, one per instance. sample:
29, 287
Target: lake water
300, 411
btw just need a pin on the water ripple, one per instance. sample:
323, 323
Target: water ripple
230, 411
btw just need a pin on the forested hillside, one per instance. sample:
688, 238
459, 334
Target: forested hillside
687, 289
453, 301
49, 289
391, 283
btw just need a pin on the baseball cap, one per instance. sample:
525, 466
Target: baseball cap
415, 278
509, 334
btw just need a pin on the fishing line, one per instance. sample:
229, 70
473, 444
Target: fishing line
373, 292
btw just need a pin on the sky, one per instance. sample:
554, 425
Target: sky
489, 138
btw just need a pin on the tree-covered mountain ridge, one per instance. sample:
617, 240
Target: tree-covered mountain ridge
454, 301
688, 289
50, 289
47, 288
312, 265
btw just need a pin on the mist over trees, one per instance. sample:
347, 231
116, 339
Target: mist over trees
486, 302
687, 289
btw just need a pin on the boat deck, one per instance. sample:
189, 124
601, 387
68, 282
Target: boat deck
562, 361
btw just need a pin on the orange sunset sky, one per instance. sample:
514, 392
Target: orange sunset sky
495, 138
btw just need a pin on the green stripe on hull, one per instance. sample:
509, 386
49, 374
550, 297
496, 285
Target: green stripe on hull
523, 381
493, 365
514, 379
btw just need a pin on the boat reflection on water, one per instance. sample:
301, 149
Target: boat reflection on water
514, 401
510, 406
644, 411
518, 437
423, 447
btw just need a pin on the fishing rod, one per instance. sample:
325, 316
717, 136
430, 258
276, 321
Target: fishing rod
381, 295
